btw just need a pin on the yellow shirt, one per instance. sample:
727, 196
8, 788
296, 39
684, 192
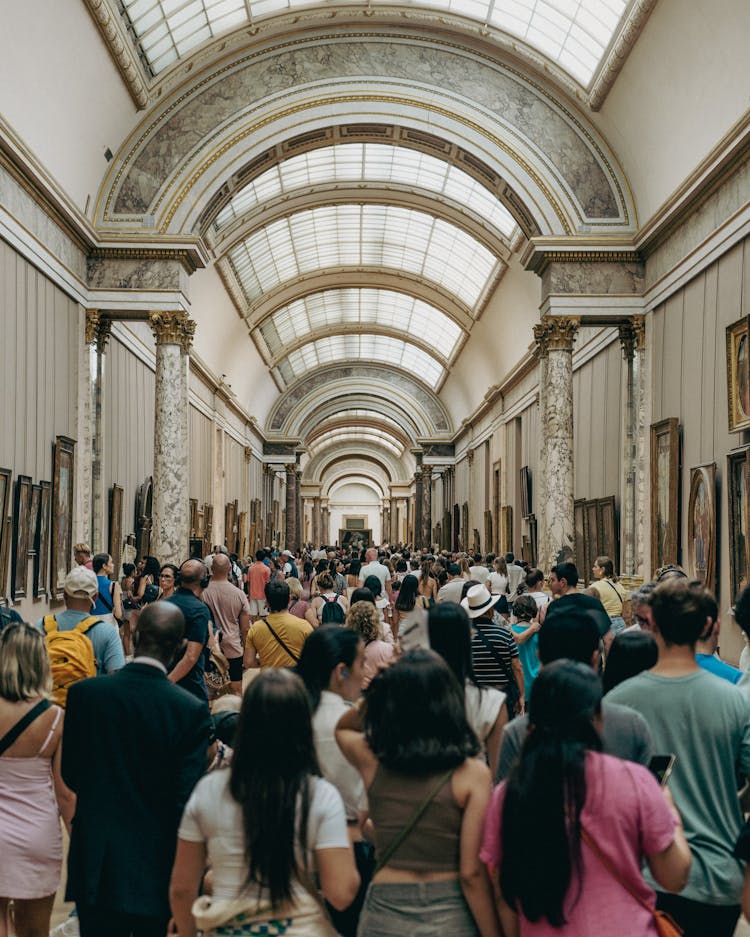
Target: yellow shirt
612, 595
292, 631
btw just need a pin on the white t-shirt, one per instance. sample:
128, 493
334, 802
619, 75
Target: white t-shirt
497, 583
375, 569
336, 769
482, 709
213, 817
541, 598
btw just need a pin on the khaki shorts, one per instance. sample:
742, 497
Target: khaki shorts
258, 607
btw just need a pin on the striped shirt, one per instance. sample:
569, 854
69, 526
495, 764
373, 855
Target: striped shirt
486, 667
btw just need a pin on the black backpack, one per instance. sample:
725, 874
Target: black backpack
8, 617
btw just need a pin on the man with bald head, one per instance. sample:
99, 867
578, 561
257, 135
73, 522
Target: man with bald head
190, 666
231, 615
134, 746
374, 568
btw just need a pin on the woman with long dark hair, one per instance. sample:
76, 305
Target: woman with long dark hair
428, 794
450, 636
428, 586
266, 826
332, 667
631, 653
566, 836
408, 604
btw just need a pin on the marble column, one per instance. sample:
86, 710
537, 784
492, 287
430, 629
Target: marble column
84, 458
325, 524
290, 534
418, 543
634, 506
98, 330
173, 332
316, 535
541, 332
558, 439
394, 520
426, 506
300, 518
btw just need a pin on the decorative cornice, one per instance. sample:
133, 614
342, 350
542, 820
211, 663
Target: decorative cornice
619, 50
172, 328
121, 49
188, 257
537, 257
561, 332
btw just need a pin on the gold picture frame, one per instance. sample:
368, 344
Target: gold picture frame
738, 375
738, 480
665, 492
701, 545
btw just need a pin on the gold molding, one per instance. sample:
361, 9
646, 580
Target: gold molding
98, 329
122, 50
188, 258
561, 332
172, 328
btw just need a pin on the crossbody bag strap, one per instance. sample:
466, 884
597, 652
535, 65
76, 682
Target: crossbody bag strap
498, 659
613, 871
107, 604
395, 844
294, 657
23, 723
622, 603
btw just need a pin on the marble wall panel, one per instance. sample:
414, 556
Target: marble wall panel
126, 274
593, 278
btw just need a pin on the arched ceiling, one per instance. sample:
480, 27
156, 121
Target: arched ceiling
572, 33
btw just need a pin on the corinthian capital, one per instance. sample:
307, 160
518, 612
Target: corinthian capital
561, 332
98, 329
172, 328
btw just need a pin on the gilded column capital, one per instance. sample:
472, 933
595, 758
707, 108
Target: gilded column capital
172, 328
639, 327
427, 471
632, 336
470, 456
541, 337
291, 469
98, 329
248, 453
561, 332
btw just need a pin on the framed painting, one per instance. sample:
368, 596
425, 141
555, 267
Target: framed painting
193, 517
5, 528
42, 541
5, 558
738, 375
525, 491
21, 531
665, 492
701, 546
579, 532
63, 479
738, 475
36, 501
506, 528
116, 499
591, 539
607, 544
488, 538
533, 540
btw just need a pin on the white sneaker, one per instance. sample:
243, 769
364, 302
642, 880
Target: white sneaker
68, 928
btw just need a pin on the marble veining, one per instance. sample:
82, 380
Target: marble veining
125, 274
558, 443
593, 278
514, 103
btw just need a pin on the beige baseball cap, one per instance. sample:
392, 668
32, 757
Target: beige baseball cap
80, 583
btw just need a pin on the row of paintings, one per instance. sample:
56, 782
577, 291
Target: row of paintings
36, 524
595, 525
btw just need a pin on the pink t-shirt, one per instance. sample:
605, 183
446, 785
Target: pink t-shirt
377, 653
627, 817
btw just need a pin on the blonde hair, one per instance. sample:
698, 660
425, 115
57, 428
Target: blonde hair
295, 587
324, 581
24, 664
231, 703
364, 620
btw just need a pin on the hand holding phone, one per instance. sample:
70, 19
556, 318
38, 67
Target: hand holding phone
661, 767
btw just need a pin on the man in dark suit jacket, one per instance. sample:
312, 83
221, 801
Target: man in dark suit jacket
134, 745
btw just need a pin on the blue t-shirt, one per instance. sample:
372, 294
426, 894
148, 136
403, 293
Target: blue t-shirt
529, 658
718, 667
104, 606
104, 637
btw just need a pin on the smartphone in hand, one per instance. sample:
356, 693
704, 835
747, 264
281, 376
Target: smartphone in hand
661, 767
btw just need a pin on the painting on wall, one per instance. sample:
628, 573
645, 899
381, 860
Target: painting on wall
5, 558
525, 491
738, 375
665, 492
116, 499
42, 540
701, 547
738, 474
579, 530
591, 539
506, 528
607, 528
5, 529
21, 529
62, 512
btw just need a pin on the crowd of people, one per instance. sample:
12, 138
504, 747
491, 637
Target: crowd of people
401, 742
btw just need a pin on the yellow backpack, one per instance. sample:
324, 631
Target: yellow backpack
71, 655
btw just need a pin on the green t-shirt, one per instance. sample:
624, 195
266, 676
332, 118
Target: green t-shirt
705, 722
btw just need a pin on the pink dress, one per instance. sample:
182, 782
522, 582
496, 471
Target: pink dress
626, 815
30, 836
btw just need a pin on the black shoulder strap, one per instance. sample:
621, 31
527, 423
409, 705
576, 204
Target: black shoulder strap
23, 723
622, 602
105, 602
498, 659
294, 657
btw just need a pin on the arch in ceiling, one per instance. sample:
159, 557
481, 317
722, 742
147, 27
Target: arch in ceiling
571, 37
336, 312
359, 420
356, 435
397, 471
387, 409
355, 468
374, 381
355, 480
179, 157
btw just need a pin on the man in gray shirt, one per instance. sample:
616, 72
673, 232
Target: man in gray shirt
451, 590
625, 732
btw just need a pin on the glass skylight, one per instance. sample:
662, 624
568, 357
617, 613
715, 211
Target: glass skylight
351, 307
352, 235
369, 162
374, 436
347, 348
573, 33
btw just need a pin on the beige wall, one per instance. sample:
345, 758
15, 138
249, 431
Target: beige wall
38, 372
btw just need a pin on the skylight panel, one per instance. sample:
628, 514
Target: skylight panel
366, 347
351, 235
370, 162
